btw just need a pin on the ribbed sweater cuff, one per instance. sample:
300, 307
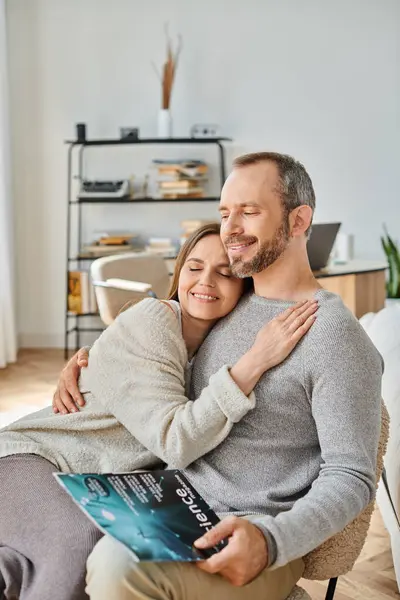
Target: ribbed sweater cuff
231, 400
271, 544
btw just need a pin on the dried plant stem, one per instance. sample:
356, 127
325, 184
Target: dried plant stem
169, 70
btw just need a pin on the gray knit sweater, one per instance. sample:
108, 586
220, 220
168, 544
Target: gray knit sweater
305, 457
136, 414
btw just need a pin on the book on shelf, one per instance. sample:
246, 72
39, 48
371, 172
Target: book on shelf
162, 246
78, 292
115, 240
179, 177
157, 515
181, 168
159, 241
179, 184
81, 293
105, 233
196, 192
168, 252
97, 251
181, 163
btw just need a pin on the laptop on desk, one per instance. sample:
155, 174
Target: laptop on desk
320, 244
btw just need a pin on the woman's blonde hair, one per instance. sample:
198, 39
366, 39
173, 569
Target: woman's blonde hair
199, 234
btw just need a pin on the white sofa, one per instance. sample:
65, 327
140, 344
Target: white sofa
384, 330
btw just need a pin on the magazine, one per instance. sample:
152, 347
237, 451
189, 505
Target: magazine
158, 515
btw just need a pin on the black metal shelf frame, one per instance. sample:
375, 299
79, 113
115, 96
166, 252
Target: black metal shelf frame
142, 200
76, 205
132, 141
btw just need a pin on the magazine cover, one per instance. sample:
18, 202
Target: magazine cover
158, 515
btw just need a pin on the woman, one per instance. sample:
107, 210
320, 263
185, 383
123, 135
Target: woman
136, 416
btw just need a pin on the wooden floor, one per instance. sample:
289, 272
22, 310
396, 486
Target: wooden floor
32, 381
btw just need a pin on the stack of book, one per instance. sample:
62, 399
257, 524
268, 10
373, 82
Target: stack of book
81, 294
110, 243
190, 226
180, 178
162, 246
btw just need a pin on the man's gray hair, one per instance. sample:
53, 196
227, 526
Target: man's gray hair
296, 185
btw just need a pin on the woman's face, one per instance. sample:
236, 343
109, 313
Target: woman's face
207, 289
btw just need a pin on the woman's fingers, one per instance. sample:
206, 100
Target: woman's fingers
284, 316
301, 320
302, 330
297, 310
301, 314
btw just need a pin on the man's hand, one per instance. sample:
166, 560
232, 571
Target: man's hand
67, 396
245, 556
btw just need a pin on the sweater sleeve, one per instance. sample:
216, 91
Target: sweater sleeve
137, 373
343, 372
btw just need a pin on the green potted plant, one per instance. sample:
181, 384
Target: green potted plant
393, 257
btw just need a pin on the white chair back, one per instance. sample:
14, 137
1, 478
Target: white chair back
131, 267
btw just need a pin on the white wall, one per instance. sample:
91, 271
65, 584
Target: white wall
315, 78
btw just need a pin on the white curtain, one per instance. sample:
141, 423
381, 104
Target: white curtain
8, 341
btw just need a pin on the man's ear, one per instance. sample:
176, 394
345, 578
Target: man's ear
300, 220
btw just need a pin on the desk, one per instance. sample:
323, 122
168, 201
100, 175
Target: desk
360, 283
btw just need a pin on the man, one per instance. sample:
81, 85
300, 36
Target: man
302, 463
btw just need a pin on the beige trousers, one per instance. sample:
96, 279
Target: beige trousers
112, 573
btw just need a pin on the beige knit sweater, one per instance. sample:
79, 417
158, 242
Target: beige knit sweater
136, 414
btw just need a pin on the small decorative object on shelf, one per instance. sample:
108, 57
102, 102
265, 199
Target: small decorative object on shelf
204, 130
81, 132
167, 78
104, 189
129, 133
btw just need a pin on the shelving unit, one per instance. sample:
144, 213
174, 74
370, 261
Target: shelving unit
76, 205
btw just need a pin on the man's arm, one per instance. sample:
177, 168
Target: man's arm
343, 372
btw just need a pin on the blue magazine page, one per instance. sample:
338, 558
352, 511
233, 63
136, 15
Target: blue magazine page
158, 515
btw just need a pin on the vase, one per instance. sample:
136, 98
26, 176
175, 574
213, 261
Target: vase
164, 123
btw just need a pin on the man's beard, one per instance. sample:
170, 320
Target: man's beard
268, 253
